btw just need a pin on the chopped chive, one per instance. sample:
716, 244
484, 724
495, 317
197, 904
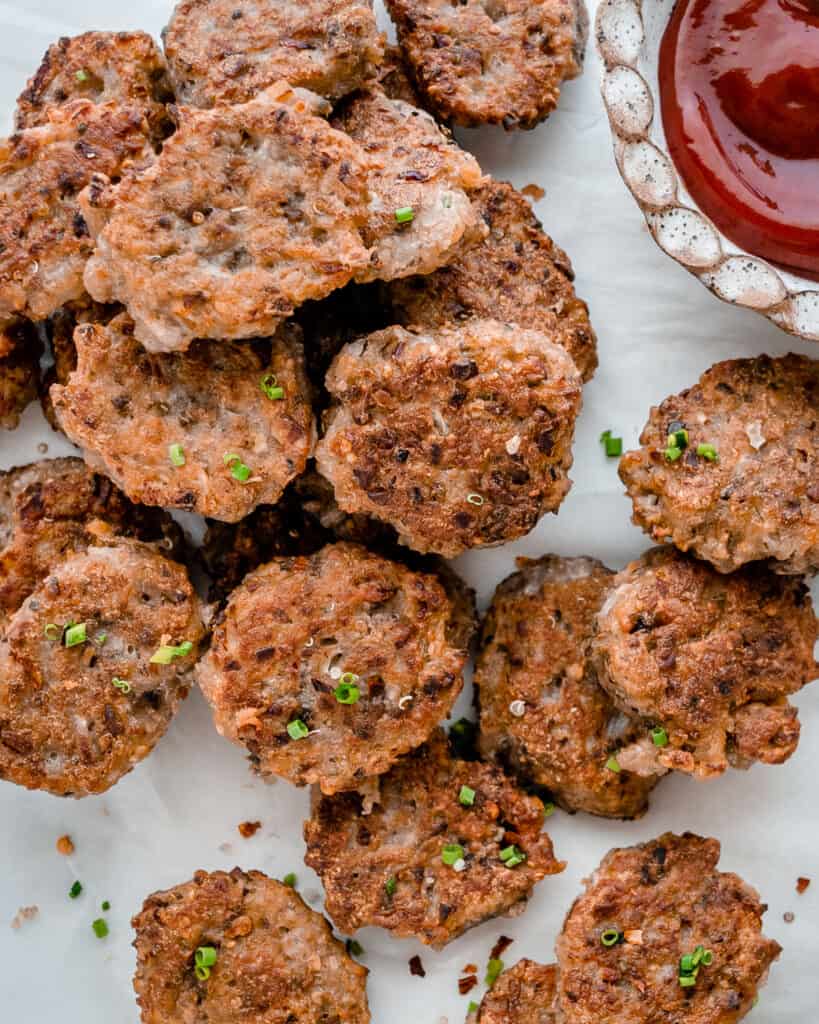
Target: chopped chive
687, 980
297, 730
659, 737
475, 499
238, 470
100, 927
512, 856
81, 75
348, 679
678, 439
271, 387
494, 969
290, 880
451, 853
548, 809
672, 453
347, 693
613, 764
121, 684
75, 890
613, 446
473, 1007
202, 973
53, 631
166, 654
405, 215
610, 937
354, 947
390, 886
106, 905
100, 639
205, 956
707, 958
687, 964
176, 453
75, 635
467, 796
708, 452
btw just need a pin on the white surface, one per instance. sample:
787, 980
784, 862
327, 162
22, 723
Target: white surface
658, 330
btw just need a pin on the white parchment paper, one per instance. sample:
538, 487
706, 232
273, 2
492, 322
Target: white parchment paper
178, 811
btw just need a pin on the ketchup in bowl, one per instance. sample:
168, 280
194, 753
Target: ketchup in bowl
739, 88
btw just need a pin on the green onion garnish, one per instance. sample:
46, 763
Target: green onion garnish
100, 927
690, 964
75, 634
121, 684
354, 947
707, 958
475, 499
708, 452
166, 654
672, 453
452, 853
512, 856
81, 75
270, 386
290, 880
494, 969
613, 446
205, 956
347, 693
473, 1007
687, 980
610, 937
176, 453
678, 439
405, 215
659, 737
390, 886
467, 796
53, 631
238, 470
613, 764
75, 890
548, 810
297, 730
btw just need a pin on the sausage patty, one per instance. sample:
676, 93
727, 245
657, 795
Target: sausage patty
249, 211
542, 713
218, 429
492, 61
709, 659
276, 960
228, 51
87, 686
20, 350
446, 845
755, 493
517, 274
621, 954
329, 667
523, 994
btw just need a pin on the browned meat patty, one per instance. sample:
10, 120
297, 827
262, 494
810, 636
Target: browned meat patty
523, 994
228, 51
422, 863
543, 714
52, 509
395, 78
710, 659
85, 689
197, 430
277, 961
126, 69
44, 239
654, 905
249, 211
329, 667
755, 493
459, 438
517, 274
492, 61
420, 212
20, 350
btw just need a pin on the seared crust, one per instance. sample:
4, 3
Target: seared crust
64, 726
500, 62
249, 211
760, 499
52, 509
414, 166
668, 898
523, 994
395, 79
517, 274
20, 350
458, 438
277, 961
123, 68
415, 813
543, 714
221, 51
127, 408
710, 658
289, 633
44, 239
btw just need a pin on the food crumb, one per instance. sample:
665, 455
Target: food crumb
247, 829
500, 947
467, 983
802, 884
225, 847
788, 917
24, 914
471, 969
416, 968
65, 846
42, 447
533, 192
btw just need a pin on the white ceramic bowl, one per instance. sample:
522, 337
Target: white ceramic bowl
628, 34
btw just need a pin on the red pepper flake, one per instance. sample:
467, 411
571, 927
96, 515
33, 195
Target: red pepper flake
249, 828
802, 884
533, 192
417, 968
471, 969
500, 947
467, 984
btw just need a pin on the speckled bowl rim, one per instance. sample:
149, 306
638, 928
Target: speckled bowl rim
628, 36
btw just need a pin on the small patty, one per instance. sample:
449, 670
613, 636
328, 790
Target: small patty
757, 494
79, 710
664, 899
44, 238
543, 714
299, 629
421, 215
193, 430
20, 350
249, 211
517, 274
52, 509
459, 437
277, 961
492, 61
386, 867
228, 51
126, 69
523, 994
708, 658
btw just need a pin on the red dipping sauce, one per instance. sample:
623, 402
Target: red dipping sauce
739, 87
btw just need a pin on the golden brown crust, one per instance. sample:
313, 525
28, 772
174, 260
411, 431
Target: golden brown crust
415, 813
20, 350
277, 961
127, 409
123, 68
459, 438
290, 632
760, 499
517, 274
695, 652
64, 726
220, 51
501, 62
543, 714
249, 211
523, 994
668, 898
